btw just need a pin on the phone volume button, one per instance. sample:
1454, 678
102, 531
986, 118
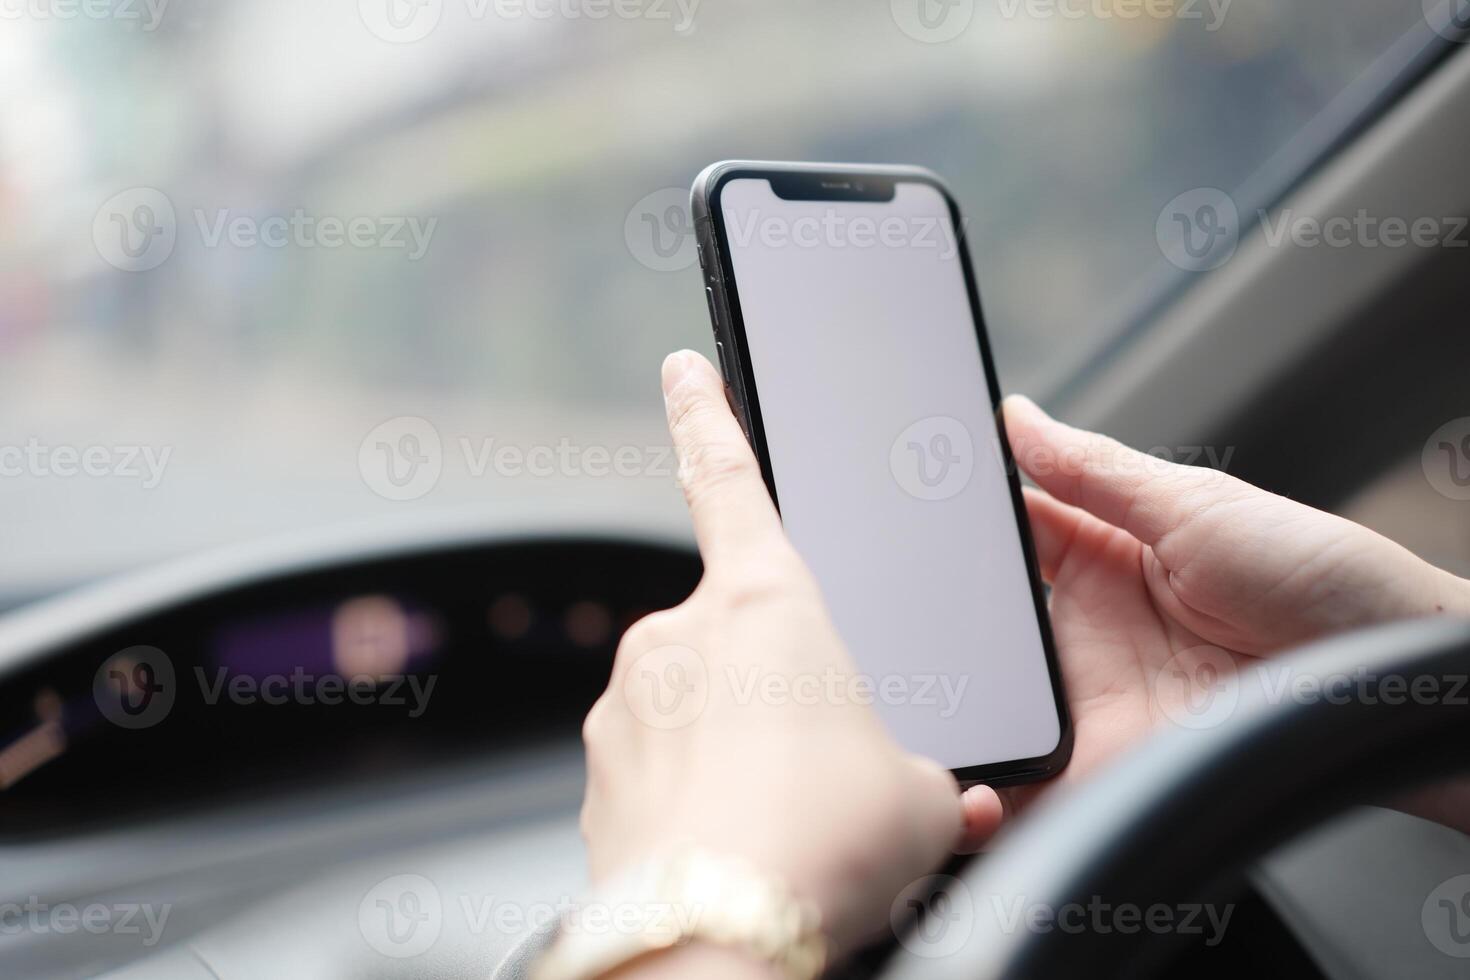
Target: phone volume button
709, 297
730, 398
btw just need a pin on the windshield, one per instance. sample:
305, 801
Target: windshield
267, 265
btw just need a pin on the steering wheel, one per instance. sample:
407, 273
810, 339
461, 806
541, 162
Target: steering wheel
1379, 710
1368, 712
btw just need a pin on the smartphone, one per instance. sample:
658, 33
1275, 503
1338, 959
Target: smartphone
848, 328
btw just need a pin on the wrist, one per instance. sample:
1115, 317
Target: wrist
1450, 594
1446, 802
698, 959
686, 897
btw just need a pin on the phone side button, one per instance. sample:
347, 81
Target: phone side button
730, 398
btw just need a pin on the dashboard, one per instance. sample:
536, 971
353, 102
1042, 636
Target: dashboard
353, 669
250, 746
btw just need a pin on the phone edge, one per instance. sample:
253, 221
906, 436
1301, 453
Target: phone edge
717, 272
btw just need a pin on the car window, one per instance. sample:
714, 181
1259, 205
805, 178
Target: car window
266, 265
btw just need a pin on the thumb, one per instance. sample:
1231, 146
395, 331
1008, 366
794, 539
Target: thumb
728, 500
984, 814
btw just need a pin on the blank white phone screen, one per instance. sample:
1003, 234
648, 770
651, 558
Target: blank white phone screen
886, 457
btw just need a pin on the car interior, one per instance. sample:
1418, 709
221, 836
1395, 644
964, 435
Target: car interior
256, 826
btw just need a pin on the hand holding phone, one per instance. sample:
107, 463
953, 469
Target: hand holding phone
850, 337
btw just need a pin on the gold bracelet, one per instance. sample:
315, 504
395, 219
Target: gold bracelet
685, 894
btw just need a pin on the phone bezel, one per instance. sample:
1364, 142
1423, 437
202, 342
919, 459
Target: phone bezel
729, 327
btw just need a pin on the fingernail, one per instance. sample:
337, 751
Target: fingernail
676, 369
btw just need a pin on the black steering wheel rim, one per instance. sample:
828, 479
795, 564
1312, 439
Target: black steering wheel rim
1174, 817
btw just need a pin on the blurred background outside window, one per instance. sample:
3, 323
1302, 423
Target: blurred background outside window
238, 235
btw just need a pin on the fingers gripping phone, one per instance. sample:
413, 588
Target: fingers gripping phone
849, 333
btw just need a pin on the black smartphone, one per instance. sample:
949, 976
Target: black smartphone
848, 328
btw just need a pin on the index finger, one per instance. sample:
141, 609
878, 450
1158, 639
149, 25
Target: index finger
1149, 497
728, 500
